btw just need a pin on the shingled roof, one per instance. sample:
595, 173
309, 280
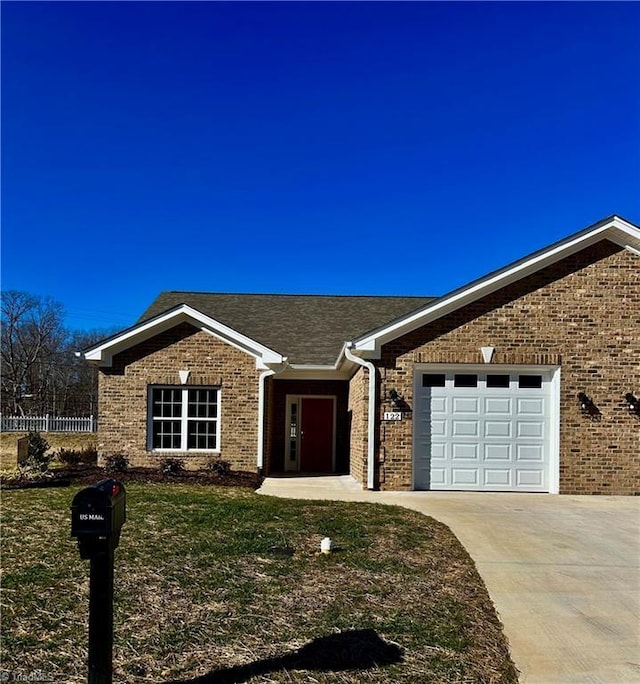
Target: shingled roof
309, 329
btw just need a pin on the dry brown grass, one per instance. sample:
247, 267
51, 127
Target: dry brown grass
221, 585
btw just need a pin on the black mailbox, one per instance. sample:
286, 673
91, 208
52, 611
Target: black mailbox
97, 515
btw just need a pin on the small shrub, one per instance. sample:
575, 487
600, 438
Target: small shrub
89, 455
219, 467
72, 457
38, 460
69, 456
172, 466
116, 463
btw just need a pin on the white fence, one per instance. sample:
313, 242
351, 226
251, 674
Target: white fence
47, 424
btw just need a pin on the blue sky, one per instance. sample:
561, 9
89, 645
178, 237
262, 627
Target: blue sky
333, 147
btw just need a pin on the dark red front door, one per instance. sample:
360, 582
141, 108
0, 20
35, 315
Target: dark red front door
316, 435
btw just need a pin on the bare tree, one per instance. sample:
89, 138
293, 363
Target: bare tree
31, 340
40, 370
81, 378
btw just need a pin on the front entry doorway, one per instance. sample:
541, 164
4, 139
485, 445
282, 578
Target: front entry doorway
310, 443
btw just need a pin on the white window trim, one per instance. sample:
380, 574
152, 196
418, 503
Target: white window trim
184, 419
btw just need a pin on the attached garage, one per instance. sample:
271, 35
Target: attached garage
460, 392
525, 380
485, 428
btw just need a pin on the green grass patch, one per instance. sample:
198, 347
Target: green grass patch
227, 585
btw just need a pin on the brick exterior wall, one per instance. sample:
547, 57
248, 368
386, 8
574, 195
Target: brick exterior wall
358, 408
122, 420
582, 314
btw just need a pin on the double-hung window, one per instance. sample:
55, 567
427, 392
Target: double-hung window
184, 418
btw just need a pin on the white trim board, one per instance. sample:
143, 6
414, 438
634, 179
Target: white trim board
615, 229
104, 352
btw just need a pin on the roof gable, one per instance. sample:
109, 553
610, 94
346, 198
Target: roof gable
308, 330
614, 229
104, 352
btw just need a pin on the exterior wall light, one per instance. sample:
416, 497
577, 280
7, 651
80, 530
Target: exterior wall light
587, 407
633, 403
396, 399
586, 404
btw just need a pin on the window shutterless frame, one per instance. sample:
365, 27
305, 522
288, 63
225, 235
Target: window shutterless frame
183, 418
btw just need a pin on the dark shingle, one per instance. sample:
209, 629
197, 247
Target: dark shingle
307, 328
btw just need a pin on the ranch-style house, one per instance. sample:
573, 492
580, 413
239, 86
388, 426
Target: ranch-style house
525, 380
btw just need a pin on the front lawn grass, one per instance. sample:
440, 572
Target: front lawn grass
221, 585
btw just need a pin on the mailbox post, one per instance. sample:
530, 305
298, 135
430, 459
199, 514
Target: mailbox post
97, 515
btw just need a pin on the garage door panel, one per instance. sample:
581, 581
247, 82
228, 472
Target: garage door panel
438, 404
497, 452
498, 428
530, 428
439, 428
529, 478
464, 476
438, 477
531, 407
467, 451
466, 405
498, 406
483, 436
466, 428
438, 451
494, 477
530, 452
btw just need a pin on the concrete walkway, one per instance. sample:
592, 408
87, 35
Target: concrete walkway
563, 571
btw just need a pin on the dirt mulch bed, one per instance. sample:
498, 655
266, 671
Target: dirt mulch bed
90, 474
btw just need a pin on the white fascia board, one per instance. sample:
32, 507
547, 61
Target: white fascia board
625, 235
346, 365
103, 353
616, 230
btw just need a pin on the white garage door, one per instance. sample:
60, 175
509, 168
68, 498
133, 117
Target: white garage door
485, 431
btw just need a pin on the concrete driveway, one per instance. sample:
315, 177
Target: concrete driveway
563, 571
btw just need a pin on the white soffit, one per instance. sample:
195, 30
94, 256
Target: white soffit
615, 229
103, 353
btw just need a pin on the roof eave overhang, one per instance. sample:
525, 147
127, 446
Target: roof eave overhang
103, 353
614, 229
304, 371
